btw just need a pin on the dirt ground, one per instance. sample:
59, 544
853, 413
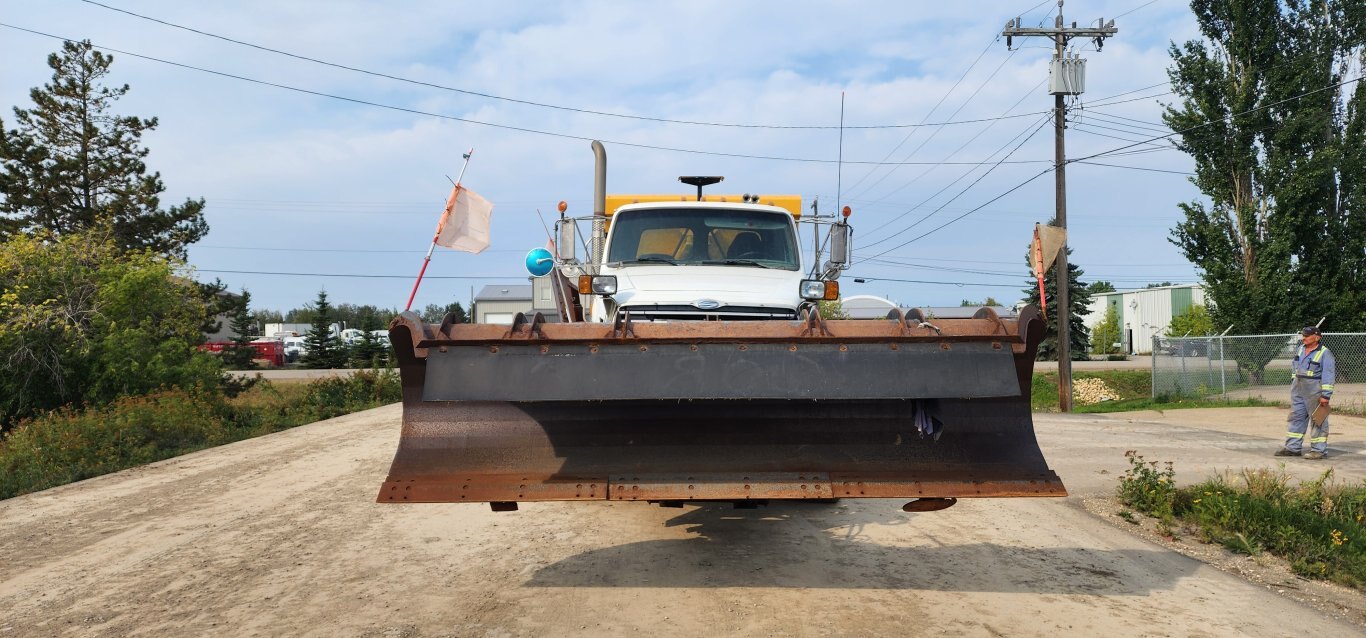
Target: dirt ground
280, 536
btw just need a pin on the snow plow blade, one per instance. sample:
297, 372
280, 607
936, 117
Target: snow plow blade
717, 411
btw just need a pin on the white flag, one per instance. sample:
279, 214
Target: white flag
464, 223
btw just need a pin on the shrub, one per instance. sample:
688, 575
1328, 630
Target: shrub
361, 390
73, 444
1146, 488
70, 445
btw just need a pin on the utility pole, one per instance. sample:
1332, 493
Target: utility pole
1067, 76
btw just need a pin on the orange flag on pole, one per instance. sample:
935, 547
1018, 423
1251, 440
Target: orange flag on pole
464, 223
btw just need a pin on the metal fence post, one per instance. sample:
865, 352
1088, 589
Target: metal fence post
1153, 357
1223, 380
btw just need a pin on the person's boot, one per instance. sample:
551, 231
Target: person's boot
1314, 456
1285, 452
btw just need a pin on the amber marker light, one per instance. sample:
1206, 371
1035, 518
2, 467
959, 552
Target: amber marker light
832, 288
585, 284
563, 207
847, 212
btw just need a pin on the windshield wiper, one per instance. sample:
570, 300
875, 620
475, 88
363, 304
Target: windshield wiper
652, 259
736, 262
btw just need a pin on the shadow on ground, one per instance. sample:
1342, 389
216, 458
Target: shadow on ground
800, 546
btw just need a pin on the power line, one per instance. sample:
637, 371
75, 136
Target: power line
937, 283
1139, 168
936, 131
1222, 119
491, 96
522, 129
1043, 123
350, 276
966, 173
1114, 151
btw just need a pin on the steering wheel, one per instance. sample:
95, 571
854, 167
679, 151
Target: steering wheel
751, 254
648, 256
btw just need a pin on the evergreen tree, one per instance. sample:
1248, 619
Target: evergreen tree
1280, 239
240, 353
1079, 300
324, 350
369, 351
435, 313
72, 164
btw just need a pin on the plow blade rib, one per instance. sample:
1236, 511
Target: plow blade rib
495, 418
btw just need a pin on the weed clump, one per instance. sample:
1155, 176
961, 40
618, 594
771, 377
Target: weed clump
1319, 525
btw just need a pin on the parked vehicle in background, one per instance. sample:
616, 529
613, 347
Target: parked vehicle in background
294, 348
352, 336
269, 352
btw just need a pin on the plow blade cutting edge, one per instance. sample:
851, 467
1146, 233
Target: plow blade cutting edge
728, 411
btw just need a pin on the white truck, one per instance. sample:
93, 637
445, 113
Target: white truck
708, 258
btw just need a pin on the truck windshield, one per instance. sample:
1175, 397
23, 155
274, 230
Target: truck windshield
712, 236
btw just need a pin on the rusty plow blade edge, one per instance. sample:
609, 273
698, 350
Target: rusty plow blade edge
730, 411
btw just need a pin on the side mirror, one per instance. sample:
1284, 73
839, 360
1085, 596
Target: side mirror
565, 245
839, 245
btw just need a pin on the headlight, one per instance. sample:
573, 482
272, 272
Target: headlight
597, 284
815, 289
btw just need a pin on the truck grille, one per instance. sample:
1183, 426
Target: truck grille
724, 313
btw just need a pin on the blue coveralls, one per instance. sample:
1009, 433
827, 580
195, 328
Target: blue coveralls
1313, 373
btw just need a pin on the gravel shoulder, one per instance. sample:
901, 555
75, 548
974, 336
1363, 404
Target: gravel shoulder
280, 536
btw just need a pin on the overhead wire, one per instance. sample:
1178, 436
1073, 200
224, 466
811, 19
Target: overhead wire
502, 98
949, 185
1043, 123
348, 275
522, 129
996, 38
1114, 150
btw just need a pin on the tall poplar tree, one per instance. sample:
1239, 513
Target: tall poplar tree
1279, 237
72, 164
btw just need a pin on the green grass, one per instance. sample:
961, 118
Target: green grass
1135, 389
71, 444
1318, 526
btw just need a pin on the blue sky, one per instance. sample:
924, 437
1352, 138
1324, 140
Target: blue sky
307, 184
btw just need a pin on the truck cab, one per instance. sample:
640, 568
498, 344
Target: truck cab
701, 260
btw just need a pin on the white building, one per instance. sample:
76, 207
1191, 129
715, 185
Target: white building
1144, 313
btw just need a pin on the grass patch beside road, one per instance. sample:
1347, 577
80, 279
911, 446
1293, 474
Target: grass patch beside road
69, 445
1133, 389
1318, 526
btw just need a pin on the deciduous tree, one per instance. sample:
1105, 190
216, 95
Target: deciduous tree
1279, 237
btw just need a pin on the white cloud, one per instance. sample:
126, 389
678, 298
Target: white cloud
286, 170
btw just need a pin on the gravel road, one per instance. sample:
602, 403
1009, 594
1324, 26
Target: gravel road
279, 536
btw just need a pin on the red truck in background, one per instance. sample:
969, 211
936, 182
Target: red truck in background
269, 352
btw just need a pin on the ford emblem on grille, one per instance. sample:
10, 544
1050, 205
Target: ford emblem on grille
706, 304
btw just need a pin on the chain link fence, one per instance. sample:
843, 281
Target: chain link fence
1235, 367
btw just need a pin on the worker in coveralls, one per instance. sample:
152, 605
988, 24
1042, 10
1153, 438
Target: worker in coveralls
1314, 371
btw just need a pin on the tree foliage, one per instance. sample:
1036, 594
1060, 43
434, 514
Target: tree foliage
1277, 141
436, 313
324, 349
1078, 300
1099, 287
239, 354
1105, 337
1194, 322
83, 321
72, 164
